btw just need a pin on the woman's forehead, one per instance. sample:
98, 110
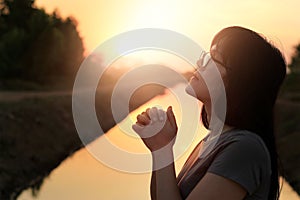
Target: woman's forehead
213, 47
219, 44
216, 54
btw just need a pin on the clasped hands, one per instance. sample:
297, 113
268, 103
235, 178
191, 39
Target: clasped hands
156, 127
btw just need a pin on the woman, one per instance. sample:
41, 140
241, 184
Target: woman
243, 163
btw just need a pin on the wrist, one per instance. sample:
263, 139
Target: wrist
163, 157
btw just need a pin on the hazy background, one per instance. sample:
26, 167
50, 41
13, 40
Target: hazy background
200, 20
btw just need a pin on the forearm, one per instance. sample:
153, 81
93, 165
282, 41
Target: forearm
163, 181
153, 186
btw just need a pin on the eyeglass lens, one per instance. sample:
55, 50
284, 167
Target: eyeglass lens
205, 57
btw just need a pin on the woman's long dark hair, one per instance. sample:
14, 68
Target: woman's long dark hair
255, 71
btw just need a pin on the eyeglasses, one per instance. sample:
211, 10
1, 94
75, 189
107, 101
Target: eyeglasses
204, 60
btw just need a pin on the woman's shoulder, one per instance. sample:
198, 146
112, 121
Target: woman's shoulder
246, 143
241, 135
244, 159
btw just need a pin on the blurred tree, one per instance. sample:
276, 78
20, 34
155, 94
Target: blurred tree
16, 10
291, 87
35, 45
295, 64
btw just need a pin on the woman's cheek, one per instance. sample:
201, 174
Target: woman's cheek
198, 89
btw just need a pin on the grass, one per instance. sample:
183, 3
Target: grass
56, 84
37, 135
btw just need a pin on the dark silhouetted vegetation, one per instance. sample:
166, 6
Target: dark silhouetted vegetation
291, 85
287, 123
295, 64
35, 46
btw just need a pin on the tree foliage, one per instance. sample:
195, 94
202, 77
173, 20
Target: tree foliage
35, 45
291, 87
295, 64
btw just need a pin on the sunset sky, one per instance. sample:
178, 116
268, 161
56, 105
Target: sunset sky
99, 20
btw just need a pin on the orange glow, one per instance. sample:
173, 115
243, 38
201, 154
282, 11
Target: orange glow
199, 20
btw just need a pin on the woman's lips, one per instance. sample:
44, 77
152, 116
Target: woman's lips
194, 78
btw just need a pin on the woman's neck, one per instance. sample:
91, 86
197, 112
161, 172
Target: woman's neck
208, 112
227, 128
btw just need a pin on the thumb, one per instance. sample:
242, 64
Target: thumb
137, 128
171, 117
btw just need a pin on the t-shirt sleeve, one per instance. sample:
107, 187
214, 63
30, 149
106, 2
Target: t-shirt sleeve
243, 161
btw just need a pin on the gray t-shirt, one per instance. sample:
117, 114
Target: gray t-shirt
240, 156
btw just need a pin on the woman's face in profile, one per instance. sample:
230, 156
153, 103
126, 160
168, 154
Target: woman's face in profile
197, 86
